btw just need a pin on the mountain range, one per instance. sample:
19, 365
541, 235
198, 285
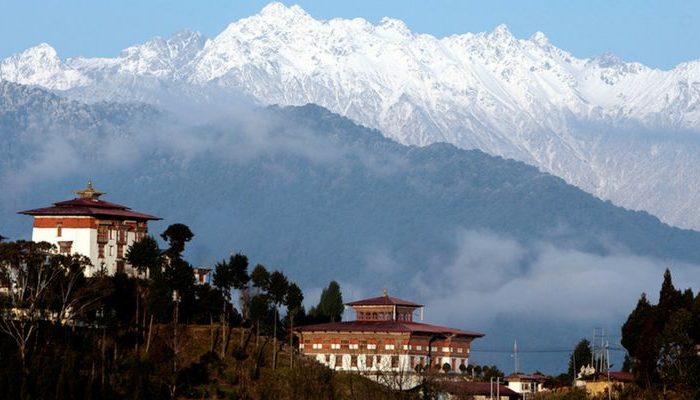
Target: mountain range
321, 197
619, 130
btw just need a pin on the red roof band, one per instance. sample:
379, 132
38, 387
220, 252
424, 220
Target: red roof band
386, 326
385, 300
89, 204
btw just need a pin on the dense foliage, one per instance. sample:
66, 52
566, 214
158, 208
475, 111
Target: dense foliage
661, 339
153, 335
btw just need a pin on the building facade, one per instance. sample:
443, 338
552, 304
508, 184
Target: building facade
87, 225
526, 385
384, 340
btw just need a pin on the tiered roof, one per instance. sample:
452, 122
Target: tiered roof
384, 300
386, 326
89, 204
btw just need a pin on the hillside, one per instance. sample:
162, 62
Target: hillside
306, 190
620, 130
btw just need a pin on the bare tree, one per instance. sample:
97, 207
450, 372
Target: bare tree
28, 272
41, 286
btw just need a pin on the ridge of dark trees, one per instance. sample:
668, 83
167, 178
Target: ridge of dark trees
65, 335
661, 338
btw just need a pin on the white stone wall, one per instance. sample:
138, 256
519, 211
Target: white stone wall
85, 243
82, 238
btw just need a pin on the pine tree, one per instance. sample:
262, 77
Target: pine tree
581, 356
294, 304
277, 292
330, 307
639, 337
670, 298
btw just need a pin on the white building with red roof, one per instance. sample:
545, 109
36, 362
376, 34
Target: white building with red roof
384, 340
87, 225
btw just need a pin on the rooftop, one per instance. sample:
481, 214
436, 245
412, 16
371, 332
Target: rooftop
386, 326
89, 204
384, 300
525, 377
477, 389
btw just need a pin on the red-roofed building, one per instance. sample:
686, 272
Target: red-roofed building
476, 391
97, 229
385, 340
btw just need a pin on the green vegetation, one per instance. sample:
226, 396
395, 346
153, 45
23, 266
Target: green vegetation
330, 307
158, 335
660, 340
581, 356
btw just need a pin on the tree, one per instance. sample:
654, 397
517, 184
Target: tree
41, 286
260, 278
492, 372
581, 356
180, 276
639, 335
660, 339
670, 298
676, 354
330, 307
227, 275
177, 235
295, 297
259, 309
240, 281
28, 273
446, 368
144, 255
277, 292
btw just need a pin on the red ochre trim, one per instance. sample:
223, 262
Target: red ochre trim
89, 222
65, 223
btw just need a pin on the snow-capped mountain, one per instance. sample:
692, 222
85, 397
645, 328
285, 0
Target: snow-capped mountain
619, 130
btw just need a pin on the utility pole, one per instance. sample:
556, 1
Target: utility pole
176, 310
607, 367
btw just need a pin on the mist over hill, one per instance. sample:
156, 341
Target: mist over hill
486, 243
620, 130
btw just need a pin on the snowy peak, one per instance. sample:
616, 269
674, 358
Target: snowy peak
524, 99
540, 39
40, 65
277, 10
501, 33
396, 26
162, 58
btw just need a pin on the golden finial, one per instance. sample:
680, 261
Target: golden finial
89, 192
386, 293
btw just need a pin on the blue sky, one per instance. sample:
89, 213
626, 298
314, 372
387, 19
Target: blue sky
658, 33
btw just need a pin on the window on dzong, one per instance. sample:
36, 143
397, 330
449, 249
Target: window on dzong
59, 229
102, 233
394, 361
65, 247
101, 250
